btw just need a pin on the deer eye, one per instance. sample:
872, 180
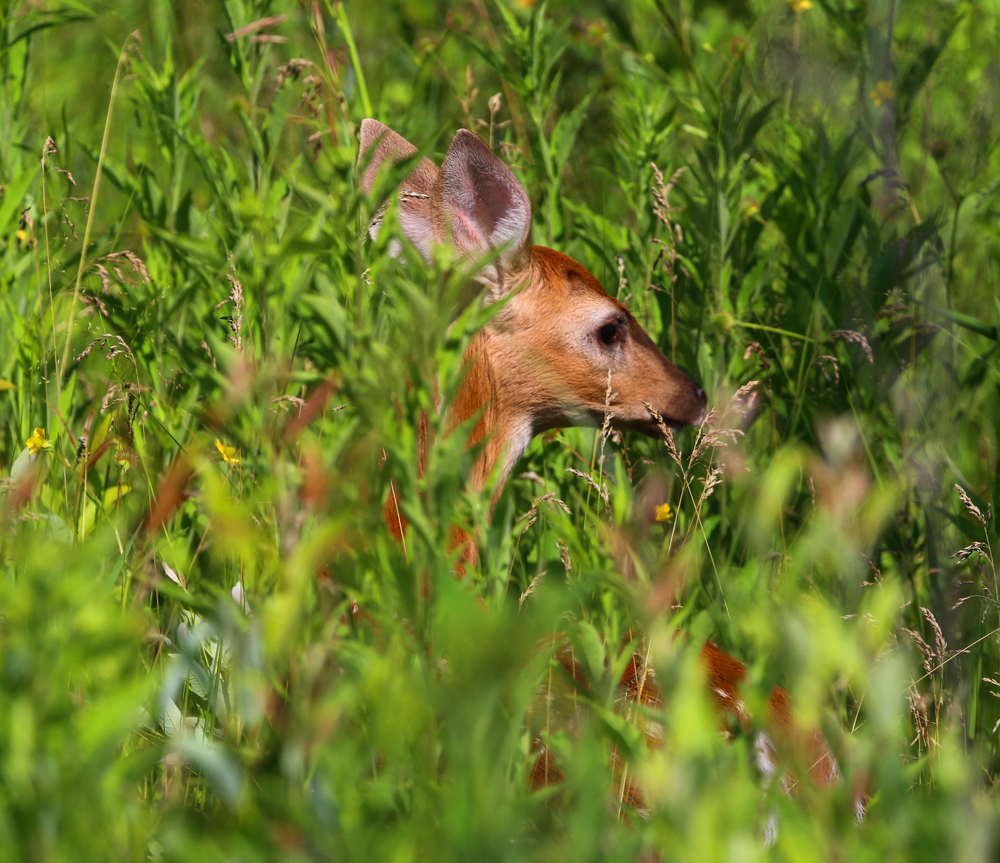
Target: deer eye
610, 334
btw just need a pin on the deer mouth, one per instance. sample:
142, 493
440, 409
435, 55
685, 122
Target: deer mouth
658, 429
658, 424
691, 412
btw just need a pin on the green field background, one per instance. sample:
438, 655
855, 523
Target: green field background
210, 646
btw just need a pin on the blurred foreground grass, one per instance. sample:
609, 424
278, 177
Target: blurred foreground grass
801, 194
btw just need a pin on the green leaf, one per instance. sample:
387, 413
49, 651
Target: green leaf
566, 129
919, 69
753, 126
12, 200
970, 323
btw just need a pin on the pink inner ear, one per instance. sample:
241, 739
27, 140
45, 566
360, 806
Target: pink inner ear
490, 208
483, 200
465, 234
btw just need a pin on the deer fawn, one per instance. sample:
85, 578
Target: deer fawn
543, 363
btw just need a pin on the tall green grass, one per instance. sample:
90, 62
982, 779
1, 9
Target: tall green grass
209, 643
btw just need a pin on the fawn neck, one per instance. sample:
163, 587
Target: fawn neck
504, 427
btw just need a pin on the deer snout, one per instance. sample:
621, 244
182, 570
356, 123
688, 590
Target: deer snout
681, 403
693, 402
686, 404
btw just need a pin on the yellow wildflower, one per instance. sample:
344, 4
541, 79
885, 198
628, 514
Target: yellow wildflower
800, 6
883, 92
750, 209
228, 453
664, 512
37, 442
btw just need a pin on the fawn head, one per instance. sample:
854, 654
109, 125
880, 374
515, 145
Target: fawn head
549, 352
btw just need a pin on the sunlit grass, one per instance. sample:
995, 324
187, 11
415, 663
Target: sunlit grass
209, 642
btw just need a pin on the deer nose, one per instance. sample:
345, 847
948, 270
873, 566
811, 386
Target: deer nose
699, 393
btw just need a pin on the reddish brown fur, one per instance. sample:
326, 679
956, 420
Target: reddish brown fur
527, 368
540, 365
520, 376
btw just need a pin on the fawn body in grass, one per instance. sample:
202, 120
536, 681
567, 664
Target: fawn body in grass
542, 363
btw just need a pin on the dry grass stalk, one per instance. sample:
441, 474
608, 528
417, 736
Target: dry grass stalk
834, 366
996, 685
290, 71
137, 264
744, 400
875, 570
755, 349
934, 657
940, 645
663, 209
532, 514
715, 438
857, 338
609, 397
601, 489
118, 347
236, 319
623, 293
668, 435
567, 561
255, 26
531, 588
713, 479
921, 720
970, 506
963, 554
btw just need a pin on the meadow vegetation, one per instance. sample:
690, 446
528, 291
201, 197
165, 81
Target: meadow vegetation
210, 646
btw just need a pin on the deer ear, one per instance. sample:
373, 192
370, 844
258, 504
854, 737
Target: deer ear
478, 198
380, 145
